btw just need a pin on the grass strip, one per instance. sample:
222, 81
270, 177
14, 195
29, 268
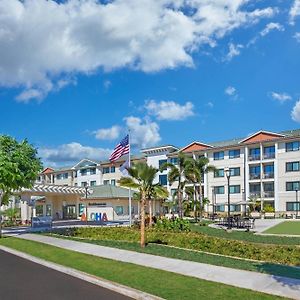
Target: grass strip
288, 227
185, 254
161, 283
247, 236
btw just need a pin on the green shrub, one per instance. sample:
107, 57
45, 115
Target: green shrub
172, 225
288, 255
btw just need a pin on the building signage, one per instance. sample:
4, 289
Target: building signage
100, 217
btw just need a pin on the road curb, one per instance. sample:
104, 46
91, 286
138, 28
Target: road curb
121, 289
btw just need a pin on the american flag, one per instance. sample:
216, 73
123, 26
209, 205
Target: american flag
121, 149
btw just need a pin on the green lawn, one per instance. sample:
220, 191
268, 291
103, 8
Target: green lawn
164, 284
287, 227
247, 236
165, 251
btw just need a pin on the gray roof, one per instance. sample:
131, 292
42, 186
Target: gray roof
123, 158
109, 191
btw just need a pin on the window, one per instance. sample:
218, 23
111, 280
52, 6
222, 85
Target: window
269, 152
93, 182
80, 209
255, 189
235, 171
39, 210
220, 207
119, 210
254, 154
219, 190
66, 175
292, 146
219, 155
254, 172
112, 169
234, 189
83, 183
234, 153
106, 182
161, 162
163, 180
83, 172
92, 171
292, 166
293, 186
105, 170
293, 206
48, 210
113, 182
174, 160
235, 208
219, 173
59, 176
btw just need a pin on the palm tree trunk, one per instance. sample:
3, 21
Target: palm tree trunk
195, 203
143, 222
180, 204
150, 212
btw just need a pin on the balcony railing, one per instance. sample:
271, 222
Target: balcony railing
254, 157
268, 175
255, 194
254, 176
269, 155
269, 194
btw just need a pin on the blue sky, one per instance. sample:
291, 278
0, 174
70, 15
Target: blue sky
74, 75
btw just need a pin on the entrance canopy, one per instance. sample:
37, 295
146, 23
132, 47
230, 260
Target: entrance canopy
48, 189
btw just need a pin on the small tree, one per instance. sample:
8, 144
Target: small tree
19, 167
142, 177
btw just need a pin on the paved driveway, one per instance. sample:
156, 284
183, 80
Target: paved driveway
21, 279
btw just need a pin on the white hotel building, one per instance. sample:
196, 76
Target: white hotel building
264, 166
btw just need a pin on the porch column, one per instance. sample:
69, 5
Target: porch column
25, 209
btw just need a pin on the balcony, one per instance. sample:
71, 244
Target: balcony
269, 194
269, 155
253, 157
268, 175
256, 194
254, 176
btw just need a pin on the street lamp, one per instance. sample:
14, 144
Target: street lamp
297, 206
86, 203
227, 173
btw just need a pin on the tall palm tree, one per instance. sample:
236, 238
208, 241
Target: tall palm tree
178, 172
142, 177
195, 173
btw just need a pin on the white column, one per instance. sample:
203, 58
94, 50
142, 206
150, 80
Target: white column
206, 192
246, 187
276, 193
25, 209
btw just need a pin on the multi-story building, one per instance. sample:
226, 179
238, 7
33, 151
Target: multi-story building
263, 167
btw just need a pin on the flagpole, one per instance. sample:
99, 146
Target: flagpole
129, 164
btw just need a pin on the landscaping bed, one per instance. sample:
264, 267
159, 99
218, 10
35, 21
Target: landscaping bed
286, 255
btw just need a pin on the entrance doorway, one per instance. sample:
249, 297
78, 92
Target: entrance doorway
69, 212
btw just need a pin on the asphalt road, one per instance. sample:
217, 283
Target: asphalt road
23, 279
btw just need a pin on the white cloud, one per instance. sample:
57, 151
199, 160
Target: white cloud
294, 11
30, 94
271, 26
295, 114
143, 133
43, 41
297, 36
234, 50
71, 153
169, 110
210, 104
230, 91
107, 84
281, 97
111, 133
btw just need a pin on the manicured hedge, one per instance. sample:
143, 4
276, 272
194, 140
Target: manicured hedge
289, 255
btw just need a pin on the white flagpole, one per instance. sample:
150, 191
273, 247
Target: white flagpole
129, 164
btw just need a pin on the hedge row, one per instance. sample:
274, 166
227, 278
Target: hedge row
288, 255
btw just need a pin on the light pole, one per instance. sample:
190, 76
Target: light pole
86, 203
227, 173
297, 206
213, 202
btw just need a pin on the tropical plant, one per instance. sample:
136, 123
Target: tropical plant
12, 214
178, 174
142, 178
19, 166
195, 173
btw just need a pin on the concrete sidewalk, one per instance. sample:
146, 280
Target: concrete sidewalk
276, 285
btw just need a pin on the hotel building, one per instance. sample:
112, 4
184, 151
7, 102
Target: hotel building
263, 167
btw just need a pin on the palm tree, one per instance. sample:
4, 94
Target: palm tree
178, 172
195, 172
142, 177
